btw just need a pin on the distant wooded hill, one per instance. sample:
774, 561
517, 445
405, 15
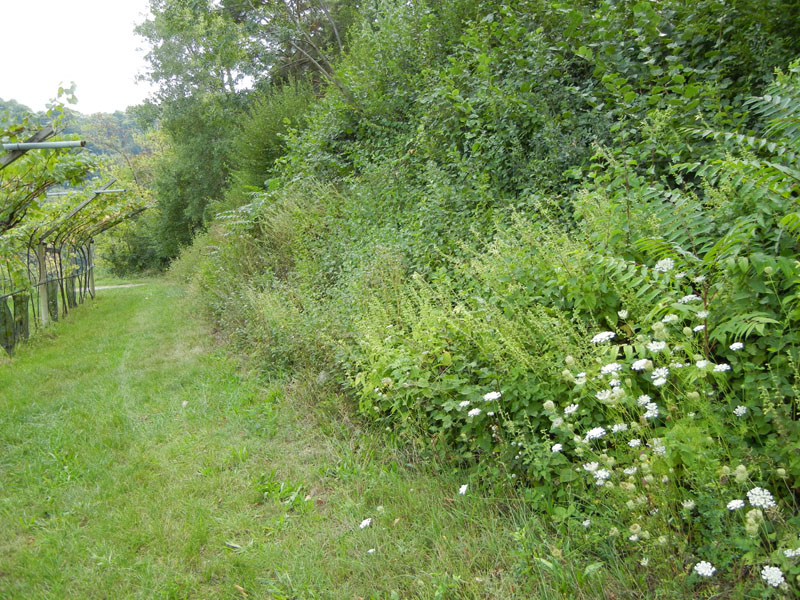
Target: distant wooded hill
104, 132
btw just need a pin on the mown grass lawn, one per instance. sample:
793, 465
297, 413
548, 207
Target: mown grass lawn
139, 461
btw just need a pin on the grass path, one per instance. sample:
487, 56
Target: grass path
137, 461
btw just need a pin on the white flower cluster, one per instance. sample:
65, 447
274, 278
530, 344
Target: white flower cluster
735, 504
789, 553
605, 336
642, 364
688, 298
760, 498
740, 411
772, 575
595, 434
659, 376
664, 265
656, 346
736, 346
704, 568
492, 396
613, 367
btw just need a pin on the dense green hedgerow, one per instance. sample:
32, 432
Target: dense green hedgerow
554, 243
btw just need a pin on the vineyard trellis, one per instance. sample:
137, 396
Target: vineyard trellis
47, 262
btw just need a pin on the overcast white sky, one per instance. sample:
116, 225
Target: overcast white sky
46, 43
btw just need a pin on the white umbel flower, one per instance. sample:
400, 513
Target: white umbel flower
463, 489
722, 367
760, 498
492, 396
613, 367
556, 448
570, 409
704, 568
656, 346
664, 265
474, 412
740, 410
605, 336
642, 364
772, 575
365, 523
688, 298
736, 346
735, 504
595, 433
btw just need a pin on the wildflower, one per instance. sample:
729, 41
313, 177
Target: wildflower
704, 568
463, 489
736, 346
365, 523
643, 399
642, 364
664, 265
661, 451
611, 368
491, 414
753, 520
631, 470
614, 383
556, 448
659, 381
722, 367
772, 575
669, 319
613, 532
698, 328
702, 314
661, 372
619, 427
595, 433
591, 467
474, 412
558, 422
656, 346
701, 364
586, 523
601, 475
760, 498
570, 409
491, 396
740, 410
792, 553
371, 551
463, 404
735, 504
688, 504
741, 474
688, 298
644, 562
634, 538
605, 336
680, 275
622, 314
699, 279
652, 410
635, 443
603, 395
549, 406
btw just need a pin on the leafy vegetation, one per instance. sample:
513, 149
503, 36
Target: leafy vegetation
552, 244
